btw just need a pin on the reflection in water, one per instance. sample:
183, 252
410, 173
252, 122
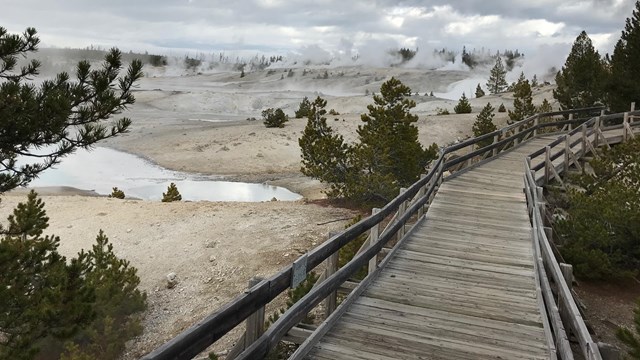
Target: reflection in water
101, 169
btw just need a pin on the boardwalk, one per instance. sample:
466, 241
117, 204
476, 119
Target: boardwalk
463, 285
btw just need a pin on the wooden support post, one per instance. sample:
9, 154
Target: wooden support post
542, 207
547, 164
331, 301
255, 322
625, 127
567, 149
596, 127
584, 139
375, 233
421, 193
515, 140
536, 122
563, 309
401, 210
570, 124
496, 138
441, 170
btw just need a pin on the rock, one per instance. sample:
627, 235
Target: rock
274, 199
128, 230
172, 280
212, 258
211, 244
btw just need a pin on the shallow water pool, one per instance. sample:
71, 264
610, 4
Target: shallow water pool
101, 169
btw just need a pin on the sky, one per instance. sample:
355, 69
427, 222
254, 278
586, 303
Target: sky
337, 27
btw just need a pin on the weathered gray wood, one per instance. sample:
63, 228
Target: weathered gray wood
331, 301
567, 273
373, 238
255, 322
401, 211
421, 193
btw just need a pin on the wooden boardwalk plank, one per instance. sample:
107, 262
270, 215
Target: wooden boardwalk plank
462, 286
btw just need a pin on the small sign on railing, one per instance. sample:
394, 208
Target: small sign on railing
299, 271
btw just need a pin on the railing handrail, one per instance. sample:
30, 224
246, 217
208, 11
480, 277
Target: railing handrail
542, 244
198, 337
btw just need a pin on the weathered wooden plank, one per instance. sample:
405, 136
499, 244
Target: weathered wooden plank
460, 294
462, 320
454, 278
432, 301
475, 294
471, 253
412, 342
470, 275
428, 259
446, 330
443, 233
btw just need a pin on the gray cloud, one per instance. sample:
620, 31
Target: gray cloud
282, 25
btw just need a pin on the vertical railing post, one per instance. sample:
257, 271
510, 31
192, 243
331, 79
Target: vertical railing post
401, 210
331, 301
373, 239
596, 128
567, 148
547, 164
421, 194
536, 121
584, 140
567, 274
625, 126
570, 124
542, 207
496, 138
255, 322
441, 170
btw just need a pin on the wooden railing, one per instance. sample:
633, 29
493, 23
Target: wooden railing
410, 204
557, 157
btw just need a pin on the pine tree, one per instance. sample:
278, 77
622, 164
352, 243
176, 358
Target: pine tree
463, 107
502, 108
117, 298
40, 294
324, 154
45, 298
479, 92
580, 81
389, 154
117, 193
274, 118
522, 101
534, 81
172, 194
545, 107
303, 108
484, 124
623, 87
58, 115
497, 82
